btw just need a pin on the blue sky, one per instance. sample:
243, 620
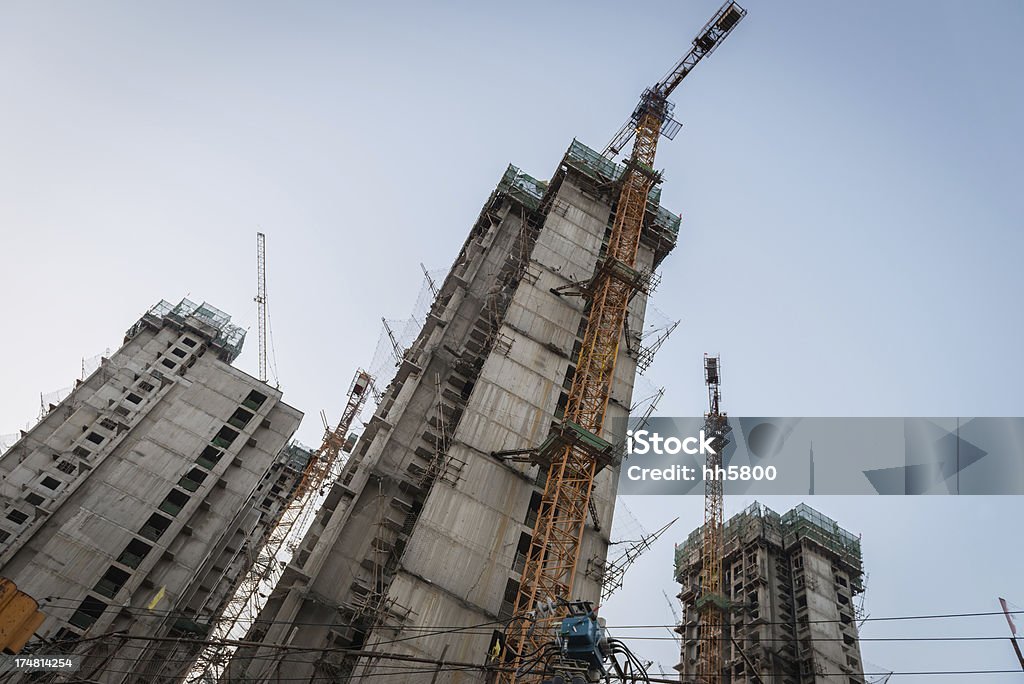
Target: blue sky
849, 176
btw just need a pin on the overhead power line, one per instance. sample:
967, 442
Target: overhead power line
919, 673
414, 664
70, 602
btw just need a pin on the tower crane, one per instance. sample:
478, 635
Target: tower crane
322, 468
576, 452
711, 604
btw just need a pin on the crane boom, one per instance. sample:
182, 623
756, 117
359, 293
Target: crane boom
616, 569
709, 38
579, 451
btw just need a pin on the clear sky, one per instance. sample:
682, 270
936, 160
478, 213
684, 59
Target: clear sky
849, 175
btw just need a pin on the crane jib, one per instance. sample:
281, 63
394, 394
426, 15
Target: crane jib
709, 38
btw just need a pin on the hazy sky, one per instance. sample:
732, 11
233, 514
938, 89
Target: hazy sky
849, 175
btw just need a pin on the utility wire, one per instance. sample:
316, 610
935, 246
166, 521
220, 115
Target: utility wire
938, 616
407, 661
439, 665
68, 602
919, 673
827, 639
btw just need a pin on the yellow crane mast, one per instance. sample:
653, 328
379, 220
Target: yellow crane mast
551, 563
322, 468
711, 604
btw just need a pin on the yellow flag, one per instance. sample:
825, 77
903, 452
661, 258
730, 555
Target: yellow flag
157, 598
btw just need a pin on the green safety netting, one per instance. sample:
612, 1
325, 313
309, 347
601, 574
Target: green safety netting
600, 168
803, 522
228, 335
530, 191
522, 187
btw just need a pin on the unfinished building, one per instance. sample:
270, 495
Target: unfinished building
431, 521
133, 505
790, 582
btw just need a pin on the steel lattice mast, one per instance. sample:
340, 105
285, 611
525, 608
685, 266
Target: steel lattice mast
323, 467
711, 604
261, 302
554, 552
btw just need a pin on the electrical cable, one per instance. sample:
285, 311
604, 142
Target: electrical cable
542, 655
69, 602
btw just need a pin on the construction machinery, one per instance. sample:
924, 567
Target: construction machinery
576, 451
323, 467
19, 617
582, 650
711, 604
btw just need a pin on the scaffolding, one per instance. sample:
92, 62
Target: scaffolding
298, 456
317, 471
522, 187
226, 335
530, 191
803, 522
599, 168
757, 520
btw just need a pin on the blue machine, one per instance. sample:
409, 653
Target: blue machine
581, 637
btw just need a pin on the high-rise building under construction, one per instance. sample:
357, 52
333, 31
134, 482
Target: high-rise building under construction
133, 507
790, 582
428, 529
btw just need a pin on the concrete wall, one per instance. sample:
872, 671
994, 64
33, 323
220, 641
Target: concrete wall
156, 404
792, 615
387, 560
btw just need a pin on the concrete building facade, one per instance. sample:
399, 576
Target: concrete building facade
226, 568
791, 581
130, 507
427, 526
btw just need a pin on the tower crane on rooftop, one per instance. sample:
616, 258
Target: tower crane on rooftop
576, 458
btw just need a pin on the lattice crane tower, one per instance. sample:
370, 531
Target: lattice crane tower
554, 553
